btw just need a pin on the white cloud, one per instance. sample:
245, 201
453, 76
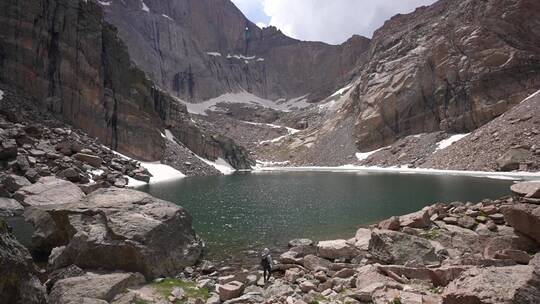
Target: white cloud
261, 24
333, 21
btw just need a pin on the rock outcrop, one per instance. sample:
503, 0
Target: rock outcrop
19, 283
118, 229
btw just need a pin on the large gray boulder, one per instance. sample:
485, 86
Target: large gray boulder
92, 288
392, 247
119, 229
525, 218
18, 281
49, 190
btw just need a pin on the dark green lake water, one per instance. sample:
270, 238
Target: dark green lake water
243, 212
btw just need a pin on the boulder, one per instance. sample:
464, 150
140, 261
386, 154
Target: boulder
93, 287
230, 290
527, 189
362, 238
466, 222
71, 174
419, 219
440, 276
49, 190
279, 288
92, 160
315, 263
392, 223
300, 242
12, 182
10, 207
336, 249
307, 286
524, 218
519, 256
290, 257
494, 285
120, 229
19, 283
8, 149
392, 247
510, 160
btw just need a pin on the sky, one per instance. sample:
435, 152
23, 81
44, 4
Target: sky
331, 21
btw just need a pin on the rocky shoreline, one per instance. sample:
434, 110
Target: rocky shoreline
123, 246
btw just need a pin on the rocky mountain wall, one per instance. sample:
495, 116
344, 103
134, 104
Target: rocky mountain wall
66, 57
70, 61
452, 66
200, 49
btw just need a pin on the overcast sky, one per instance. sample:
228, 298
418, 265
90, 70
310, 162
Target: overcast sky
331, 21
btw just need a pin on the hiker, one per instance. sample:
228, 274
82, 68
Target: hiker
266, 263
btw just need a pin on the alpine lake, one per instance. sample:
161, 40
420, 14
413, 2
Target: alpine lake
238, 215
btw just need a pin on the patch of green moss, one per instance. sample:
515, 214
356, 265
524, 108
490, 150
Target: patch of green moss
432, 233
140, 301
166, 286
396, 300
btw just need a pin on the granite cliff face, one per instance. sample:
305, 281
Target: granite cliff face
453, 67
68, 59
63, 55
200, 49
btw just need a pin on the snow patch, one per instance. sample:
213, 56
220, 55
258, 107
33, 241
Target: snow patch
533, 95
145, 7
248, 99
160, 172
1, 94
220, 164
167, 17
262, 163
342, 90
104, 3
363, 169
215, 54
289, 130
365, 155
443, 144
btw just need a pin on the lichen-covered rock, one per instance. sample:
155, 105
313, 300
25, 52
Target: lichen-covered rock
120, 229
18, 281
394, 247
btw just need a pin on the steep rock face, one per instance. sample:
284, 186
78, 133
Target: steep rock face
199, 49
70, 61
452, 66
81, 71
18, 281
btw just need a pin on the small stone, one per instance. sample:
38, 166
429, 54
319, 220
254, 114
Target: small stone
466, 222
300, 242
450, 220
